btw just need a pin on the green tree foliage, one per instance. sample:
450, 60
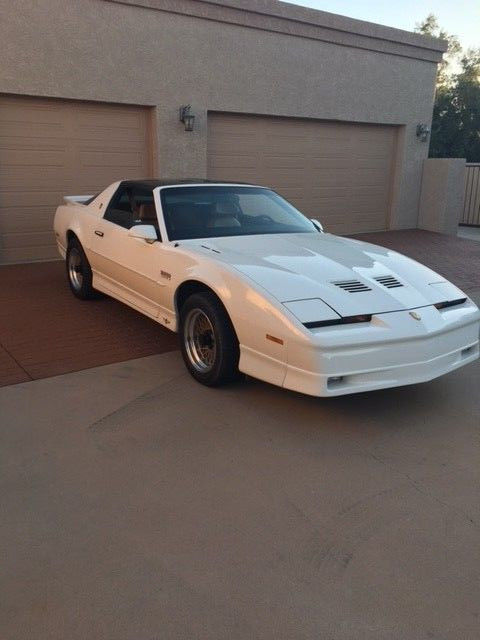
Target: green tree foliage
456, 112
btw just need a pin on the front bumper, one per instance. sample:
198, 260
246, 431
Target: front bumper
393, 350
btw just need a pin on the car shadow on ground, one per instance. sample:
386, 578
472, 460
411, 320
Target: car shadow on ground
255, 404
384, 409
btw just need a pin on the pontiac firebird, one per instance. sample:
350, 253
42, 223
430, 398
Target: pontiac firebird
253, 286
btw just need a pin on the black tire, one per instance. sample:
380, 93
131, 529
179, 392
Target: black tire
79, 273
222, 367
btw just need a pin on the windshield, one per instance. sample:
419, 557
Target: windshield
212, 212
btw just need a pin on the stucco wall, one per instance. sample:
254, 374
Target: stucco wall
443, 190
115, 52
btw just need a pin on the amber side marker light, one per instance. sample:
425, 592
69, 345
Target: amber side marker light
449, 303
274, 339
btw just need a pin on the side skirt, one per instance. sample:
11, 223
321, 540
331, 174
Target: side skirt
156, 312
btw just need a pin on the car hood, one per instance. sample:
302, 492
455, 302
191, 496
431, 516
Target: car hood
320, 265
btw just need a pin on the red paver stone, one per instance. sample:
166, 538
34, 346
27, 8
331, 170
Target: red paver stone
45, 331
10, 371
455, 258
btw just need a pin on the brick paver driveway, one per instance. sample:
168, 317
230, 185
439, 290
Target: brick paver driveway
455, 258
44, 331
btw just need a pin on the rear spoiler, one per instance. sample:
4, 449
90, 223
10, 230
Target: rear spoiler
76, 199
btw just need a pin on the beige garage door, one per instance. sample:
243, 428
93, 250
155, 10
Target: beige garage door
52, 148
339, 173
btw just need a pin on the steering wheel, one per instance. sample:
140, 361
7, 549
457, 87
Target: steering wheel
265, 217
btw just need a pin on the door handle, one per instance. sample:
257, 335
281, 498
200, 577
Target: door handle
99, 233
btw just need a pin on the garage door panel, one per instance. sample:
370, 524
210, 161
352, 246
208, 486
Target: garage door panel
226, 162
18, 247
279, 174
291, 194
125, 138
369, 184
23, 199
90, 179
91, 117
40, 143
24, 254
242, 147
372, 150
328, 163
20, 219
338, 172
50, 148
115, 159
380, 163
29, 142
332, 179
34, 157
279, 146
19, 239
326, 149
94, 125
89, 184
290, 161
329, 195
31, 178
377, 134
225, 154
35, 112
42, 132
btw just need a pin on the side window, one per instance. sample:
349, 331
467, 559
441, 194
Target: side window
119, 210
131, 206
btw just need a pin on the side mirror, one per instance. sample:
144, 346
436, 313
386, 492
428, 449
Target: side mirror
145, 232
317, 224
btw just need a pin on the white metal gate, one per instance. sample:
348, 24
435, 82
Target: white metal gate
471, 206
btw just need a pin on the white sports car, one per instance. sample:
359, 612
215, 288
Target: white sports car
251, 285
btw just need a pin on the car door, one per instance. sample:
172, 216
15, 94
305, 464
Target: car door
127, 268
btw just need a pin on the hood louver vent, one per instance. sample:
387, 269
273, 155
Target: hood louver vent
352, 286
389, 281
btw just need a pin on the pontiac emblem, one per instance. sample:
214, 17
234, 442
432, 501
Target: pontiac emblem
415, 315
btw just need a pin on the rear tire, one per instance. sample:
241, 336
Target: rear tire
79, 272
208, 341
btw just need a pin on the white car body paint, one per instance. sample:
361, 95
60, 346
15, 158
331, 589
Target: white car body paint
272, 284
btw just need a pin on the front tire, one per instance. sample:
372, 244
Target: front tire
79, 272
208, 341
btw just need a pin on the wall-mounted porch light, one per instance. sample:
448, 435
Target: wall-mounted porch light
187, 117
423, 131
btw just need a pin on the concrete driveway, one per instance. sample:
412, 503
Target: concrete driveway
140, 505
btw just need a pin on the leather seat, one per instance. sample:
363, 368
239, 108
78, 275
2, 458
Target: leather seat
147, 214
224, 215
223, 221
185, 216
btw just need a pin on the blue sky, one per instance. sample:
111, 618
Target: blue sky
460, 17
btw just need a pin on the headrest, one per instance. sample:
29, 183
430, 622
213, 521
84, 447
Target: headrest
226, 208
184, 216
223, 221
147, 213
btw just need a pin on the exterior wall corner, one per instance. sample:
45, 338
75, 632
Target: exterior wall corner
441, 198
